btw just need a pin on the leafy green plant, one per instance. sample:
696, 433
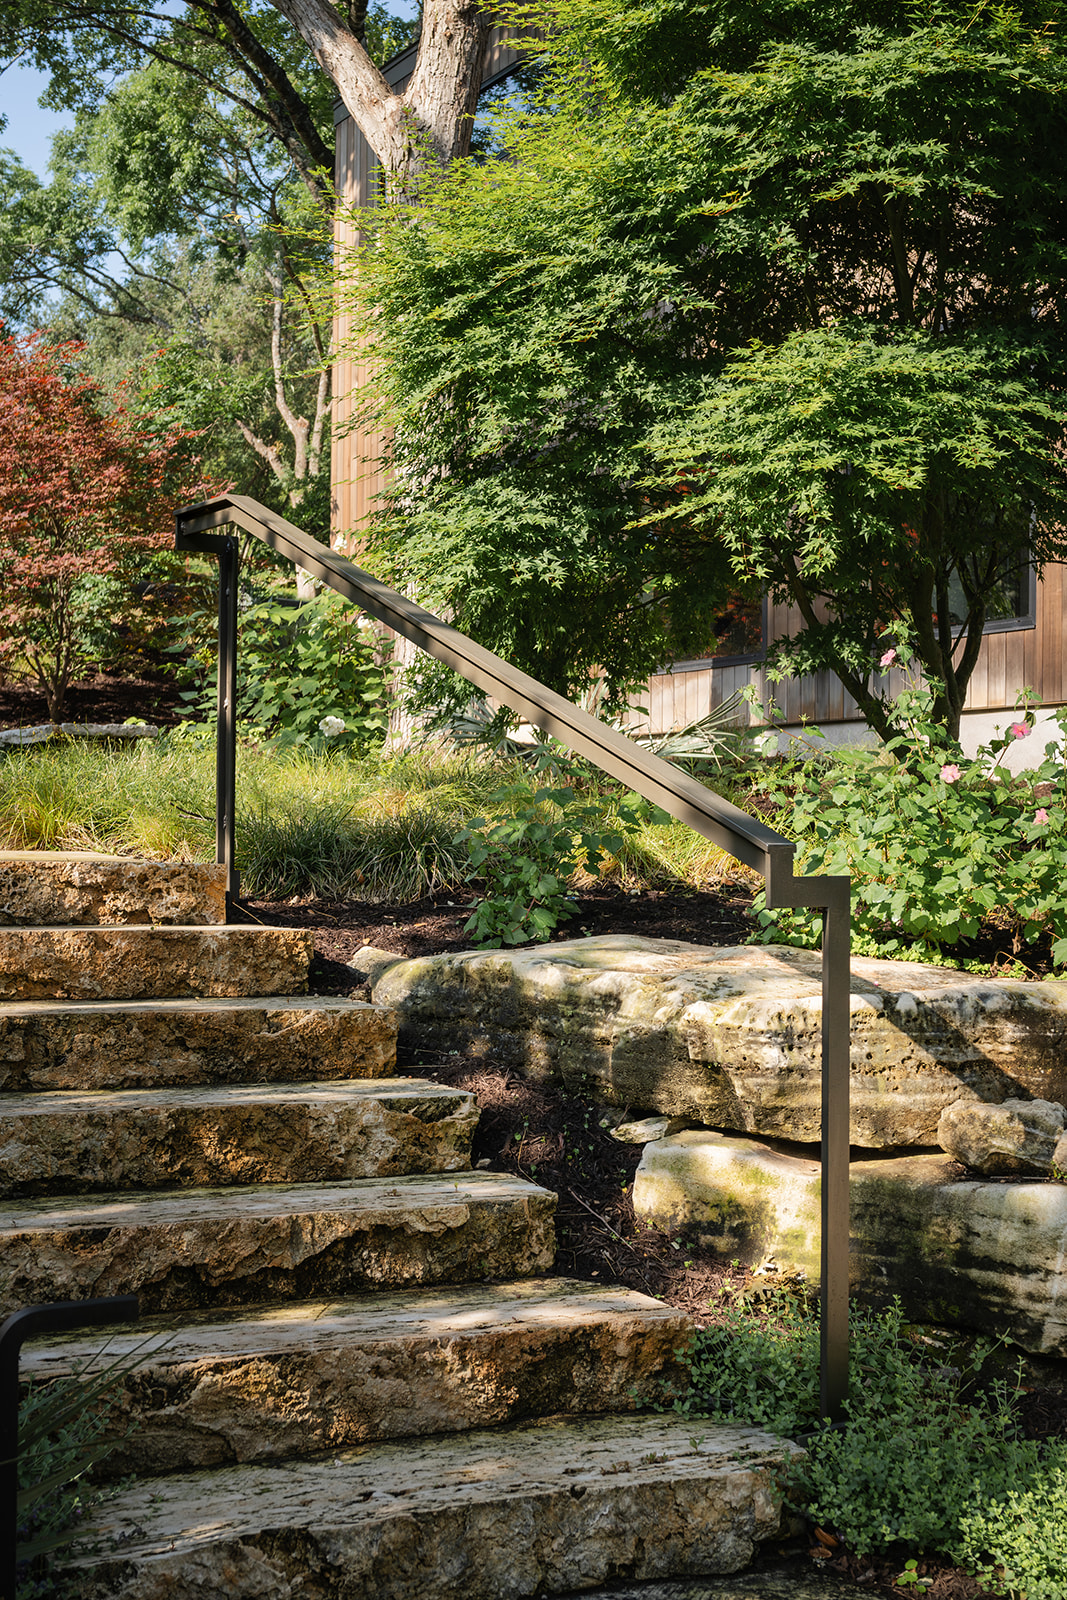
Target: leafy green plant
66, 1427
929, 1456
936, 845
526, 856
1016, 1540
307, 673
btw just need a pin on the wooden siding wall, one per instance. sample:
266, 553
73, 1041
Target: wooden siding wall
1018, 658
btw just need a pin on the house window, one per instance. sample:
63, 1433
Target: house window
736, 633
1014, 604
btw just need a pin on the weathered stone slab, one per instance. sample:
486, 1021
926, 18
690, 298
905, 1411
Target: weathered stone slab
136, 963
732, 1037
291, 1380
132, 1044
969, 1253
1017, 1136
539, 1509
78, 887
44, 731
203, 1247
70, 1142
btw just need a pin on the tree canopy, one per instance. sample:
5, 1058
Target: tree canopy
778, 309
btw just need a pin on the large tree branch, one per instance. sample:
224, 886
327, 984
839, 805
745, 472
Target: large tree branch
437, 107
298, 426
376, 109
269, 452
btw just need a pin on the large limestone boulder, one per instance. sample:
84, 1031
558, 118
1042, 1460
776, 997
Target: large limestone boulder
1018, 1136
968, 1253
732, 1037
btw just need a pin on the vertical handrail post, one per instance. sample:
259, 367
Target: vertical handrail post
836, 1020
833, 897
226, 736
21, 1325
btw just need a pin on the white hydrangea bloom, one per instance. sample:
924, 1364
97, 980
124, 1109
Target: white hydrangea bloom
330, 727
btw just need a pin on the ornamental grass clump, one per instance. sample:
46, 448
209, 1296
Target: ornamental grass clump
940, 848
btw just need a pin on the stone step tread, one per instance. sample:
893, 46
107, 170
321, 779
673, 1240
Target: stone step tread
419, 1095
531, 1509
151, 1043
149, 962
83, 887
247, 1245
294, 1379
68, 1141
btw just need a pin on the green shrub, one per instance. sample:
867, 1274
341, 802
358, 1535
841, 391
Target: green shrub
299, 666
936, 845
928, 1457
1017, 1543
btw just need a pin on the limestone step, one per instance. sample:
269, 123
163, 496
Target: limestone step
133, 963
242, 1246
537, 1509
79, 886
291, 1380
68, 1142
131, 1044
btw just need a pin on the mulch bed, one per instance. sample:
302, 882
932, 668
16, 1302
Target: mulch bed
152, 697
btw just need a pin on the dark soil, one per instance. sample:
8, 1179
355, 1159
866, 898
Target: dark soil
434, 926
152, 697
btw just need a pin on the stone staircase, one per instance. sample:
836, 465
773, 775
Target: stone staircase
358, 1380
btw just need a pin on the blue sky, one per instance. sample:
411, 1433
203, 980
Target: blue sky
29, 129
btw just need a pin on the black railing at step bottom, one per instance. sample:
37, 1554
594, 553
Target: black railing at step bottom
198, 528
21, 1325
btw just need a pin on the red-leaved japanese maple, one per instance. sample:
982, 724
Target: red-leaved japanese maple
85, 488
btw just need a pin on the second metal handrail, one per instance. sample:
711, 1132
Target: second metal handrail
746, 838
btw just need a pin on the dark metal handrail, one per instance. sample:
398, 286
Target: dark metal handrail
746, 838
56, 1317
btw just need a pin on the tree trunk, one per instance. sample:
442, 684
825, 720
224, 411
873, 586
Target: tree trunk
431, 120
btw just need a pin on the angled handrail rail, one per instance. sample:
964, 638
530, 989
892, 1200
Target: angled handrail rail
197, 528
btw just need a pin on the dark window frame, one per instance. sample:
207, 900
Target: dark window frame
705, 663
1026, 619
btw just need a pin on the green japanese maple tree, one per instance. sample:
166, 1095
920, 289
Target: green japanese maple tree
765, 297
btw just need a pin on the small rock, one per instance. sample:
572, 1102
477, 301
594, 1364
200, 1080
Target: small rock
648, 1129
642, 1132
1017, 1136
